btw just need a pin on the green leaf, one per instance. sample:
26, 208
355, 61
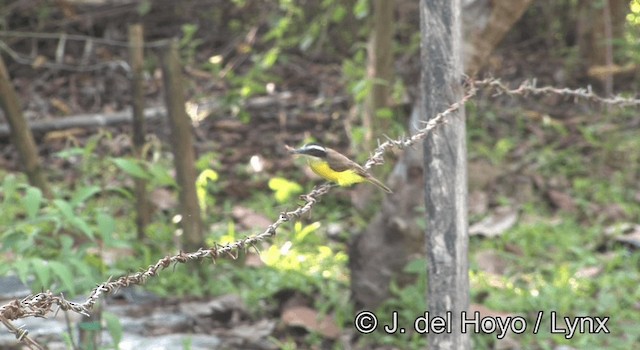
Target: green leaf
82, 268
338, 13
64, 208
79, 223
131, 167
114, 327
302, 232
83, 194
32, 201
201, 186
68, 153
106, 227
22, 269
270, 58
71, 218
9, 187
42, 270
384, 113
284, 189
160, 175
64, 274
361, 9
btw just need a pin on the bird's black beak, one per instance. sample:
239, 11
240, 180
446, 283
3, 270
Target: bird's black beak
292, 150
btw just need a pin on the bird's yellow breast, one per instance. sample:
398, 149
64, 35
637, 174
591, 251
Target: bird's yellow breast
342, 178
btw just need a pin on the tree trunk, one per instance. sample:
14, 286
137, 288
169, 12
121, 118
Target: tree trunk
485, 25
182, 144
379, 68
591, 31
136, 53
21, 135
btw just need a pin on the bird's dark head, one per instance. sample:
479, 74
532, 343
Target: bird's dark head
313, 150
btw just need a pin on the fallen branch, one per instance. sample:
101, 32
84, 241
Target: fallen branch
87, 121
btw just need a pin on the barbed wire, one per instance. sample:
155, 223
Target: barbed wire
530, 87
41, 304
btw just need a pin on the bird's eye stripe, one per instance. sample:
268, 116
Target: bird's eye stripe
315, 148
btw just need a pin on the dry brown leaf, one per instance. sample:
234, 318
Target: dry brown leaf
63, 135
562, 200
310, 319
496, 224
60, 105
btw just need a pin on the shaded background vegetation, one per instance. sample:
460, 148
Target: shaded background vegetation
265, 74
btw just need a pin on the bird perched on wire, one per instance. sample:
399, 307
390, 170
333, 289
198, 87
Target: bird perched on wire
333, 166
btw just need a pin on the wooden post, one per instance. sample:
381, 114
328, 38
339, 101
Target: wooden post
379, 68
21, 135
136, 56
445, 171
182, 143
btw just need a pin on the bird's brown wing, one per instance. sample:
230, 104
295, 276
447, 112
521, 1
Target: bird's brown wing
339, 162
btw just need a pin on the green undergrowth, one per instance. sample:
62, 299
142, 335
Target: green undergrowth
555, 260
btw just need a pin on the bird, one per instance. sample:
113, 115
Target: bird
333, 166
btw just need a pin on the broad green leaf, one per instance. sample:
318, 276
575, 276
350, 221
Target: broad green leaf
84, 193
106, 227
302, 232
66, 243
9, 187
384, 113
361, 9
79, 223
114, 327
68, 153
270, 58
82, 269
131, 167
160, 175
22, 269
42, 271
64, 274
284, 189
65, 209
32, 201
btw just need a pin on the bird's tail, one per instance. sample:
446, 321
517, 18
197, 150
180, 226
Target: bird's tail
378, 183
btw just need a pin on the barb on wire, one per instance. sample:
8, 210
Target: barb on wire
420, 133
